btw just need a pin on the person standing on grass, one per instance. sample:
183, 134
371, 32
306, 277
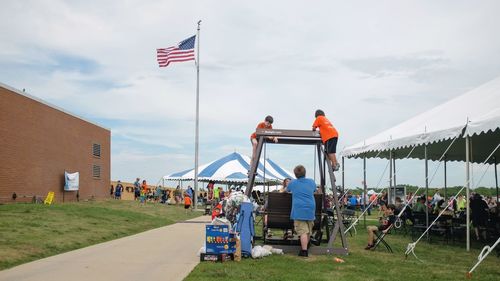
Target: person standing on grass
303, 206
384, 226
118, 190
137, 189
178, 195
479, 214
111, 191
352, 203
190, 191
329, 136
217, 194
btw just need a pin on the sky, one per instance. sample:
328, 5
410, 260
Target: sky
368, 64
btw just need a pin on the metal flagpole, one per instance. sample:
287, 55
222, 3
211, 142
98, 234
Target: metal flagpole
197, 137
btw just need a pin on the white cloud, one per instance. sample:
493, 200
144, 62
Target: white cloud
369, 65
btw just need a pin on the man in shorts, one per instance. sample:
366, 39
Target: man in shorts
329, 136
303, 206
385, 225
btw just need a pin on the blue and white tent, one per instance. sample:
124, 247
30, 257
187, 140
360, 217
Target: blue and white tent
233, 168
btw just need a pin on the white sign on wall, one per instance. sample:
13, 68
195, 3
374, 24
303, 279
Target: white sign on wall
71, 181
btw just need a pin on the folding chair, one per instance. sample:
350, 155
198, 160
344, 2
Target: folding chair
380, 239
348, 217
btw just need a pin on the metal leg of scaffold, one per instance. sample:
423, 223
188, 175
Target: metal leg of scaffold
253, 167
339, 226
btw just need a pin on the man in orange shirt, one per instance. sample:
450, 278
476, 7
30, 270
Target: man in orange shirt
267, 124
329, 136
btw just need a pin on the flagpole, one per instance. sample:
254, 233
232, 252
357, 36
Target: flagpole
197, 118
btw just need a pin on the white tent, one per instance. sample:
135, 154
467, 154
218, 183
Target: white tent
475, 114
471, 120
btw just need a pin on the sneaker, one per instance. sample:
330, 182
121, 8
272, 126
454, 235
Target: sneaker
288, 235
368, 247
337, 167
303, 253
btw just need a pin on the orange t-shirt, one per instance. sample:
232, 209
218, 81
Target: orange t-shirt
187, 200
262, 125
326, 129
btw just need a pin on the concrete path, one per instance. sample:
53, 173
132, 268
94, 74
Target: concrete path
166, 253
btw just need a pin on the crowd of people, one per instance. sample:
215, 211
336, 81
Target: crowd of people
144, 193
484, 210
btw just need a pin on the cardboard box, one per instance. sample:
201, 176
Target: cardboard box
216, 257
219, 240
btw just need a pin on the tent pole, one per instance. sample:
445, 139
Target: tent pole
426, 190
343, 186
467, 182
394, 174
364, 188
389, 197
445, 180
496, 177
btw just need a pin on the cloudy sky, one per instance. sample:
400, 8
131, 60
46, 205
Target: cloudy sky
368, 64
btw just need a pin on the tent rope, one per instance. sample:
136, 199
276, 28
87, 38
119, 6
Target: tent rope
371, 203
432, 178
411, 246
484, 253
347, 189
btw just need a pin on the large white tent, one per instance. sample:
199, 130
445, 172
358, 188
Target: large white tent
468, 126
475, 114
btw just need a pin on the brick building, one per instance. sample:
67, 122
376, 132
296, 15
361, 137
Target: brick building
39, 141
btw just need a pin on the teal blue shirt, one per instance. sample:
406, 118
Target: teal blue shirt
303, 204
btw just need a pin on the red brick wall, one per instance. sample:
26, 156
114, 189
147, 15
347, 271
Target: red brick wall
38, 143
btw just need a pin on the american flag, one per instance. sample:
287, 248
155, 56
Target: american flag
184, 51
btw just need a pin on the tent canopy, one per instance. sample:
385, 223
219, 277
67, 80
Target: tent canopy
233, 168
475, 114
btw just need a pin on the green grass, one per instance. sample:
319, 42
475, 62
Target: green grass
33, 231
440, 262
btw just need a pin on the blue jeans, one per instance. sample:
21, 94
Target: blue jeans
369, 211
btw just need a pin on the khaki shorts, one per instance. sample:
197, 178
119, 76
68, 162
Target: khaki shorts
303, 227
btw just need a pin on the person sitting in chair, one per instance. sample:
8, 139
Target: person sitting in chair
303, 206
385, 225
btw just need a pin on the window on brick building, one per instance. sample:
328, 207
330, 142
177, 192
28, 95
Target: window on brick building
96, 171
96, 150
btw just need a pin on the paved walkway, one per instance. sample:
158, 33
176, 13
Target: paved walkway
166, 253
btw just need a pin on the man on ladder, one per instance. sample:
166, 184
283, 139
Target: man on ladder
329, 136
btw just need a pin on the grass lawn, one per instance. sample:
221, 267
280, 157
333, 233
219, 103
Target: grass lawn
33, 231
440, 262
